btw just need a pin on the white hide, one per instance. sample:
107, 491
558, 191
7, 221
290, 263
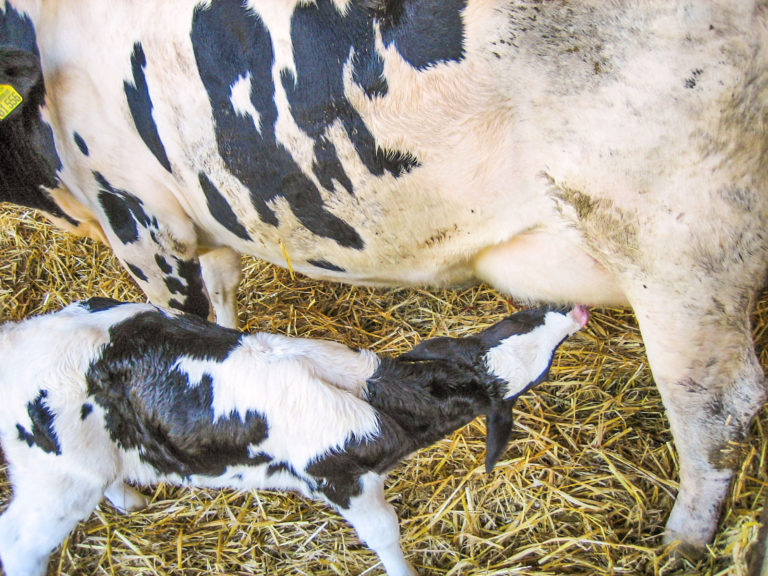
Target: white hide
240, 96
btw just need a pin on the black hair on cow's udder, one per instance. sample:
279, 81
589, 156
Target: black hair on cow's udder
42, 435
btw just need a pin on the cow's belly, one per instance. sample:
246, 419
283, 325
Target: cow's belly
515, 242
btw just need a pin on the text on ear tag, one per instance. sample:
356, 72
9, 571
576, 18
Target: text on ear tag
9, 99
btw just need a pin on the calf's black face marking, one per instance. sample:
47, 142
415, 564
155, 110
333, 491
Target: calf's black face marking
150, 404
140, 105
42, 435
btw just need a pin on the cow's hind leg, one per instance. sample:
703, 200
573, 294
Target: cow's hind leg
702, 357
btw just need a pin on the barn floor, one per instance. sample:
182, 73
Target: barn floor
585, 487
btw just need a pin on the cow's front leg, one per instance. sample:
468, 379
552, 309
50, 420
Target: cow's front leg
703, 360
156, 242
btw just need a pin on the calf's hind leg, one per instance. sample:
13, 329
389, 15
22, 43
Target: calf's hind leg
40, 516
125, 498
703, 361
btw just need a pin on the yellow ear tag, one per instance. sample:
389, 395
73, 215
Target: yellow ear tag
9, 99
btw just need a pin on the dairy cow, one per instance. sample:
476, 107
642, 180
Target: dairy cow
603, 153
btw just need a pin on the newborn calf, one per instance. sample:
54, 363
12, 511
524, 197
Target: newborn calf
102, 392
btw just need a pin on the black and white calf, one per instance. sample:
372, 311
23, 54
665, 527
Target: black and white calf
103, 392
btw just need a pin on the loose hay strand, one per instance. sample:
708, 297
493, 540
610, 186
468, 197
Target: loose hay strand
584, 488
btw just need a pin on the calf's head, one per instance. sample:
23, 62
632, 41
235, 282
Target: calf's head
513, 355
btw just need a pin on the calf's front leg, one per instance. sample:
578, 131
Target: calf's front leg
375, 522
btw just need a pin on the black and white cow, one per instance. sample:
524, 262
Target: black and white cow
103, 392
579, 151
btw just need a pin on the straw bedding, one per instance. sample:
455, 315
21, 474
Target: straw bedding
584, 488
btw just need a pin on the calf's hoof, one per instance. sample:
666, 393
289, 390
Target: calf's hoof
125, 498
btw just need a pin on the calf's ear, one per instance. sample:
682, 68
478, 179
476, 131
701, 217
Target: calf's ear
498, 425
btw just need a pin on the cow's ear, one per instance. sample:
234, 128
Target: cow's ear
19, 69
442, 348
